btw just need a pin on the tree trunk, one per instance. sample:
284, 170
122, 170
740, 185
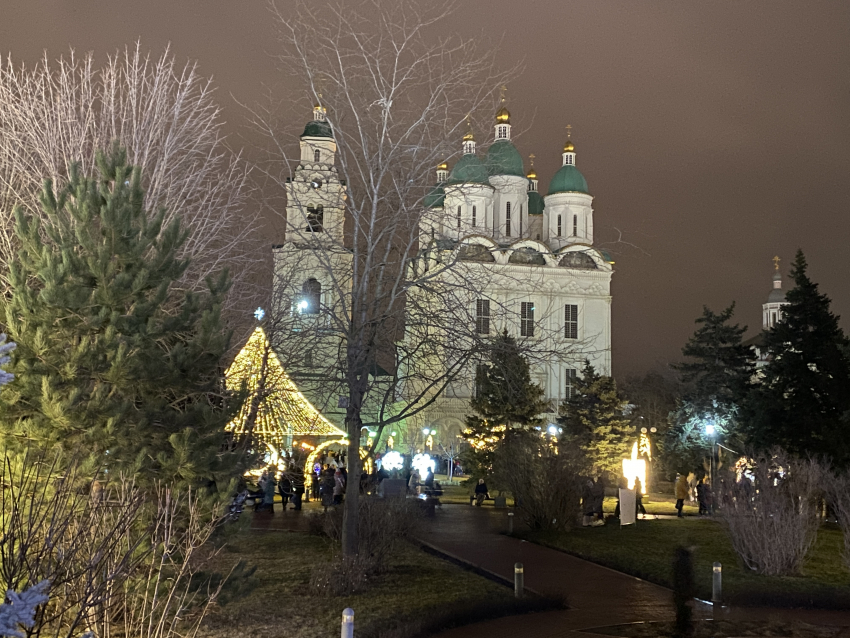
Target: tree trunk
350, 537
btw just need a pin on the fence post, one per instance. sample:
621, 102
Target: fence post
347, 623
510, 523
519, 580
717, 584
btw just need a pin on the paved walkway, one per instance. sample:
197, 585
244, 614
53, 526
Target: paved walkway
597, 596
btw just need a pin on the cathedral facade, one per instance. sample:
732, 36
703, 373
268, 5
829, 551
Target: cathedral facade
546, 282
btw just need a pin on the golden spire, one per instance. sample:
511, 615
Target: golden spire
469, 137
776, 261
532, 174
443, 167
569, 147
503, 116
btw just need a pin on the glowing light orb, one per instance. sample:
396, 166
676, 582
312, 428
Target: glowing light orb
302, 305
392, 461
422, 463
259, 313
635, 467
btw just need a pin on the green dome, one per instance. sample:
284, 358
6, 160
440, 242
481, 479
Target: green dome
469, 169
568, 179
504, 159
435, 198
317, 128
535, 203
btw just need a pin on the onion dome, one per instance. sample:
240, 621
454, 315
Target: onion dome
469, 137
532, 174
569, 148
568, 179
469, 170
503, 115
504, 159
317, 128
435, 198
535, 203
777, 295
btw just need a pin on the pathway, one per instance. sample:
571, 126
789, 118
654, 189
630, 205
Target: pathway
597, 596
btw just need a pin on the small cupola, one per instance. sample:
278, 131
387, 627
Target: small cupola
532, 176
469, 143
569, 149
442, 172
320, 113
503, 121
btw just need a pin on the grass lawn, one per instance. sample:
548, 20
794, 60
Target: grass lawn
646, 550
417, 589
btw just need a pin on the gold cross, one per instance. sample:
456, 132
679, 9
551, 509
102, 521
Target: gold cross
502, 92
776, 262
531, 157
569, 131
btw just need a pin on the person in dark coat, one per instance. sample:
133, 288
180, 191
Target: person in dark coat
639, 498
702, 497
284, 487
481, 492
297, 479
598, 498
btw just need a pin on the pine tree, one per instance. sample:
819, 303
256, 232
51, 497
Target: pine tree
505, 399
111, 359
803, 401
593, 419
718, 375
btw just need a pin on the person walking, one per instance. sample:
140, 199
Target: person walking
587, 503
339, 487
702, 497
284, 487
297, 479
481, 492
268, 492
639, 498
682, 492
598, 500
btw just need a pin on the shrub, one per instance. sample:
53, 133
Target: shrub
545, 481
772, 510
383, 523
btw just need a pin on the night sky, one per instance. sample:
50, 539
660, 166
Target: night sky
712, 135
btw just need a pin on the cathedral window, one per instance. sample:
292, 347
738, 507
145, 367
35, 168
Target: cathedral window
570, 383
575, 225
317, 156
508, 219
311, 297
458, 217
474, 214
526, 319
482, 316
559, 225
315, 219
571, 321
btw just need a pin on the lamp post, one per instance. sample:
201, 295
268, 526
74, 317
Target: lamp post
711, 432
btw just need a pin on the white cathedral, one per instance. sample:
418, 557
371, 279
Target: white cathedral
544, 274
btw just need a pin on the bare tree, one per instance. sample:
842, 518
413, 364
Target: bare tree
772, 510
395, 94
58, 113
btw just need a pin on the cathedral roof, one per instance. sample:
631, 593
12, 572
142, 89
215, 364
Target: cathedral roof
469, 169
317, 128
436, 197
777, 295
535, 203
568, 179
504, 159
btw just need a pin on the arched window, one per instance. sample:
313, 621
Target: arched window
458, 217
575, 225
474, 215
508, 219
315, 219
317, 157
559, 225
311, 297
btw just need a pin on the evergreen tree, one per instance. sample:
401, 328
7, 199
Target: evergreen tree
593, 419
803, 400
505, 399
111, 359
717, 371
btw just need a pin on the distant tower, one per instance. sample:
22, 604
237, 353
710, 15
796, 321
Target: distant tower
772, 310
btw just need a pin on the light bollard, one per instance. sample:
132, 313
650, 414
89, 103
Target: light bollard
347, 623
717, 584
519, 580
510, 523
